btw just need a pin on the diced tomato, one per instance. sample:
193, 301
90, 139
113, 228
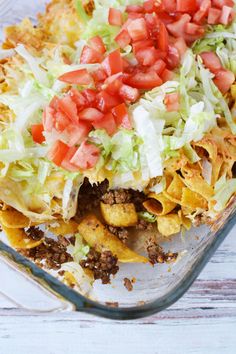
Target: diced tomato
78, 98
58, 152
184, 6
221, 3
134, 16
181, 46
97, 44
159, 66
202, 12
115, 17
211, 61
145, 81
149, 6
224, 79
90, 96
195, 30
138, 30
173, 57
91, 114
105, 101
48, 119
167, 75
172, 102
77, 77
152, 23
134, 8
68, 107
163, 38
169, 6
141, 45
123, 38
107, 122
213, 16
90, 56
129, 94
61, 121
121, 115
226, 16
113, 84
99, 75
177, 29
66, 164
86, 156
54, 103
37, 133
113, 63
77, 133
146, 56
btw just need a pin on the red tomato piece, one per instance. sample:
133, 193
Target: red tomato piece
134, 16
186, 6
121, 115
177, 28
195, 30
90, 114
152, 23
163, 38
77, 77
202, 12
66, 161
213, 16
134, 8
105, 102
90, 96
37, 133
145, 81
58, 152
78, 98
224, 79
159, 66
221, 3
115, 17
113, 63
99, 75
113, 84
107, 122
97, 44
173, 57
86, 156
211, 61
138, 30
128, 93
123, 38
61, 121
90, 56
167, 75
54, 103
77, 133
68, 107
146, 56
149, 6
181, 46
48, 119
141, 45
226, 16
172, 102
169, 6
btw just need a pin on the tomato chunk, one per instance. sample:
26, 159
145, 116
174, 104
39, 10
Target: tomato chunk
213, 16
167, 75
186, 6
128, 93
90, 96
77, 77
115, 17
134, 8
86, 156
177, 28
138, 30
121, 115
66, 164
107, 122
105, 101
48, 119
141, 45
211, 61
99, 75
169, 6
163, 38
77, 133
90, 114
173, 57
146, 56
145, 81
61, 121
97, 44
172, 102
149, 6
224, 79
68, 107
113, 84
58, 152
78, 98
221, 3
37, 133
226, 16
54, 103
113, 63
123, 38
159, 66
90, 56
181, 46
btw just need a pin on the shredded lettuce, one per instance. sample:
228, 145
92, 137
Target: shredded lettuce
79, 250
224, 191
145, 215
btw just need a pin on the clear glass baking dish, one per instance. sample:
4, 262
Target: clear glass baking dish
155, 288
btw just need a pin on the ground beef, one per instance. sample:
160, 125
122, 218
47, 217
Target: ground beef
52, 252
103, 265
90, 195
120, 232
34, 233
156, 253
144, 225
121, 196
89, 7
128, 284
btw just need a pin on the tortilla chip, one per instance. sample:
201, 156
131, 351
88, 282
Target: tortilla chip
175, 188
13, 219
193, 200
119, 215
98, 237
19, 239
194, 181
169, 224
158, 204
60, 227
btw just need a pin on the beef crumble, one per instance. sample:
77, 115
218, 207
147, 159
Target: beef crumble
128, 284
122, 196
103, 265
156, 253
120, 232
144, 225
34, 233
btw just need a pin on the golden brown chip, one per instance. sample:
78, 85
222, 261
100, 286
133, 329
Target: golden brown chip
60, 227
175, 188
169, 224
119, 215
193, 200
98, 237
194, 181
19, 239
186, 222
158, 204
13, 219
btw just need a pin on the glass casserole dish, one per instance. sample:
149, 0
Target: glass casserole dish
155, 288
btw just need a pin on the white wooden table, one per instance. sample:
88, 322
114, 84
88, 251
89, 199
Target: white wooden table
203, 321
